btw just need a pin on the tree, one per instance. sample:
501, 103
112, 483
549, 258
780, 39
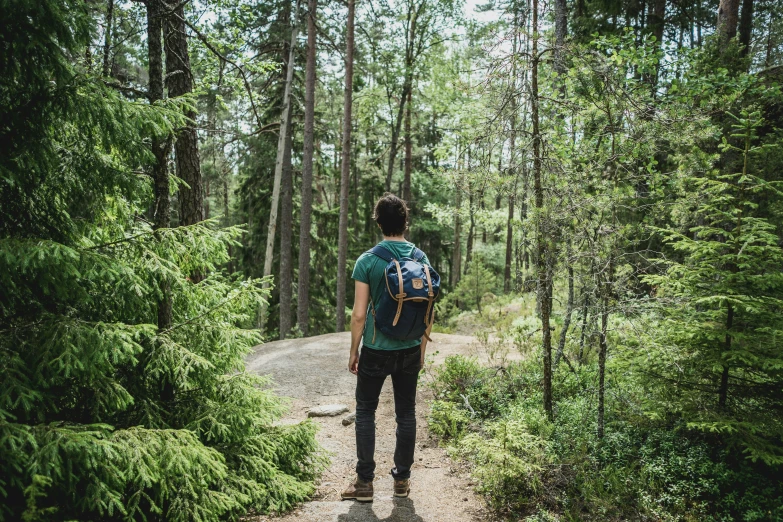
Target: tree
345, 170
161, 146
110, 409
544, 284
279, 164
422, 29
728, 15
286, 233
179, 80
303, 293
746, 26
108, 27
719, 347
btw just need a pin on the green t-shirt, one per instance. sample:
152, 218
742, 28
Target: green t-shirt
369, 269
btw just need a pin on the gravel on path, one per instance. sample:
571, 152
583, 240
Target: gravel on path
314, 372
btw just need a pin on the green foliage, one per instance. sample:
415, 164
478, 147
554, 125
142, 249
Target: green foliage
719, 342
475, 286
534, 469
102, 414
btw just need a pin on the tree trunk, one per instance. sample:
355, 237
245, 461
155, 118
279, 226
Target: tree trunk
179, 79
723, 390
161, 147
561, 31
303, 294
542, 294
285, 312
342, 248
512, 165
286, 234
509, 243
406, 184
567, 321
602, 365
456, 263
281, 141
585, 306
396, 135
746, 26
656, 20
471, 230
206, 198
107, 39
726, 27
407, 86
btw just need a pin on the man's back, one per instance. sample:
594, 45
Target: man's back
370, 269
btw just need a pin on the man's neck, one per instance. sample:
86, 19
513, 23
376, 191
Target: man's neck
394, 238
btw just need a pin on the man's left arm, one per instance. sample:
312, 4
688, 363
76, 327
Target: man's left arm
425, 338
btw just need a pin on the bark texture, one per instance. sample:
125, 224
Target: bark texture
728, 14
179, 80
543, 287
161, 146
567, 321
281, 141
602, 348
303, 294
723, 389
746, 25
345, 172
406, 183
456, 260
512, 164
286, 234
561, 31
107, 38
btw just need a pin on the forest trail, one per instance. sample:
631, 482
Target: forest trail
312, 372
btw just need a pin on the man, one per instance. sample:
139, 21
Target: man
382, 356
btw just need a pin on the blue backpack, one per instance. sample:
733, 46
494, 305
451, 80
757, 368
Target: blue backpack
405, 310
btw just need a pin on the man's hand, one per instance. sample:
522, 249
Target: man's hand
353, 363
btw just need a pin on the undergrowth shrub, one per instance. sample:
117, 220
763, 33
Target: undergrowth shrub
530, 468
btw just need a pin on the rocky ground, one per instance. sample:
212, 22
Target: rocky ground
313, 372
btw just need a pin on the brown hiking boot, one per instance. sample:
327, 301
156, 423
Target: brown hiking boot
358, 490
402, 487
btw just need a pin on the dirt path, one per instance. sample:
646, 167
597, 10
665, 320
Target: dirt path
313, 372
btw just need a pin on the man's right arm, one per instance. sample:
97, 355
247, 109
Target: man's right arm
358, 317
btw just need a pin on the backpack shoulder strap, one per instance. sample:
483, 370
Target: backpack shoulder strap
417, 255
381, 252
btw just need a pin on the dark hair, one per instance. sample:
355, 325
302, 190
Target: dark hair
391, 213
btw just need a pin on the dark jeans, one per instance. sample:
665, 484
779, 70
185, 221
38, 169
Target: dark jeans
374, 366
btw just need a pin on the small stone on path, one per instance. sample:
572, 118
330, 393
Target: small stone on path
328, 410
349, 419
